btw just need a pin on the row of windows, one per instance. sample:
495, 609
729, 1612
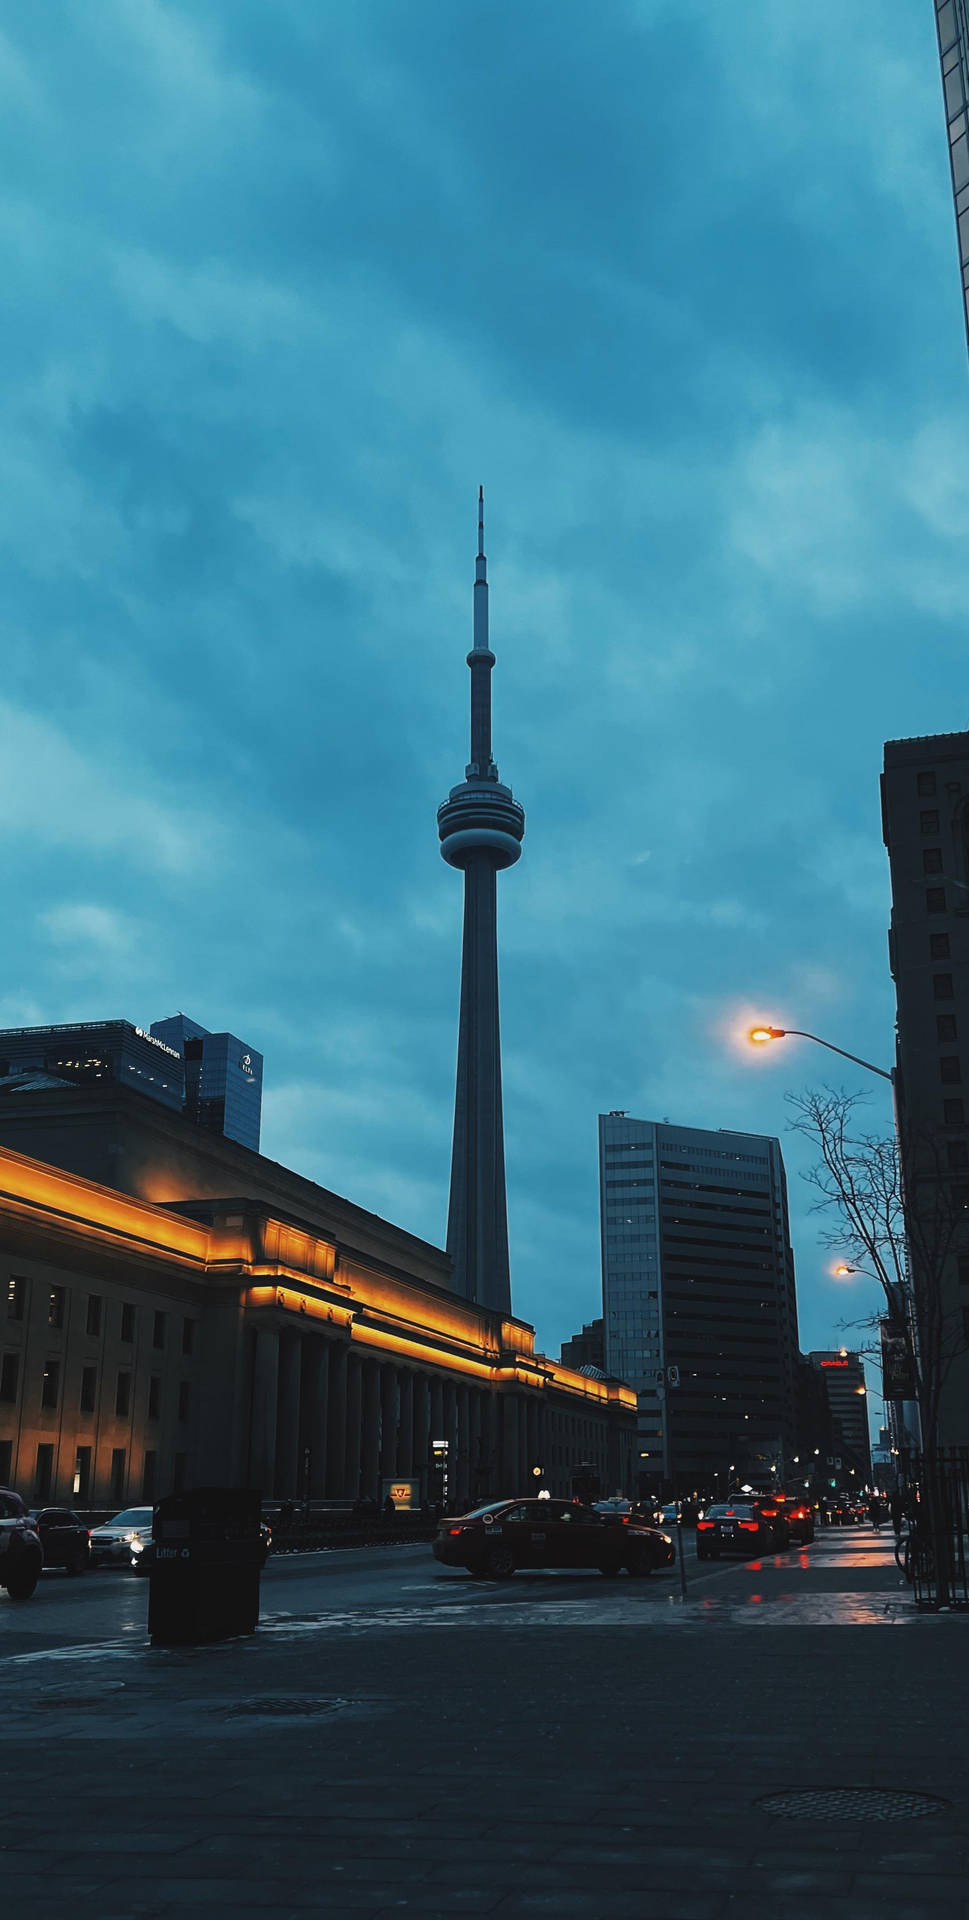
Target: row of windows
50, 1392
57, 1305
44, 1472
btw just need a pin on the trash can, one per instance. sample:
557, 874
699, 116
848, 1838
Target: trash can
206, 1560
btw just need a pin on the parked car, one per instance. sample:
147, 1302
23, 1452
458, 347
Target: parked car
734, 1527
21, 1554
111, 1542
492, 1541
65, 1539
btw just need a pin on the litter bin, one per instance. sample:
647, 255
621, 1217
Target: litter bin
206, 1560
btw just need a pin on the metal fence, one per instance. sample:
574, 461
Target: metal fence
938, 1549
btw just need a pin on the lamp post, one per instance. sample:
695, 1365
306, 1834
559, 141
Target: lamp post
761, 1035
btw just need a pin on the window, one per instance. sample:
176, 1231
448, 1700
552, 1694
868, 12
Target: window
9, 1375
931, 859
926, 783
55, 1307
964, 1269
154, 1396
188, 1336
117, 1474
89, 1388
6, 1462
954, 1112
183, 1399
178, 1476
950, 1069
94, 1313
16, 1295
965, 1322
942, 987
148, 1477
122, 1396
44, 1473
945, 1026
158, 1331
929, 822
935, 899
957, 1153
939, 946
51, 1384
127, 1323
82, 1473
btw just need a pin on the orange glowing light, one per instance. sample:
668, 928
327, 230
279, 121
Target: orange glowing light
759, 1035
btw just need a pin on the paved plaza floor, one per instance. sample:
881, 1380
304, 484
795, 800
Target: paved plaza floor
399, 1741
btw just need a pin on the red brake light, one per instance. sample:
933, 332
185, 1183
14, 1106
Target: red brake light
453, 1530
702, 1526
769, 1513
750, 1526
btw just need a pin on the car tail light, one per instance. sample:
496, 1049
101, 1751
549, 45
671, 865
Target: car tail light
705, 1526
453, 1530
749, 1526
769, 1513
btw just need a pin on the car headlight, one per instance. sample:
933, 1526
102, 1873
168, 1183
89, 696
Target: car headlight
137, 1545
667, 1542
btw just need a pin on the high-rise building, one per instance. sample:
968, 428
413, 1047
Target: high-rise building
952, 27
843, 1374
481, 827
698, 1296
925, 821
215, 1079
586, 1349
223, 1078
92, 1050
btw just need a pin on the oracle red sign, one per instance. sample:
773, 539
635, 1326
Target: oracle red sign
835, 1363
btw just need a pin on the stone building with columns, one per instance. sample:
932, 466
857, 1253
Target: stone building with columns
206, 1316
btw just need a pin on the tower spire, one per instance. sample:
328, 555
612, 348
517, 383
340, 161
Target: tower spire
481, 827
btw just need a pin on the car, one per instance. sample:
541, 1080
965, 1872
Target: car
491, 1542
21, 1553
734, 1527
143, 1549
65, 1539
111, 1541
800, 1521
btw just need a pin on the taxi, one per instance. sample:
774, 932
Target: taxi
493, 1541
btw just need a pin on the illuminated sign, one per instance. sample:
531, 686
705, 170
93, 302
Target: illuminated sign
836, 1363
142, 1035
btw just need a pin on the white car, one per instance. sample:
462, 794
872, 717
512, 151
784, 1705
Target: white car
111, 1542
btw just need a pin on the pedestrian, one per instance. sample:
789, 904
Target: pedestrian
875, 1514
389, 1510
896, 1507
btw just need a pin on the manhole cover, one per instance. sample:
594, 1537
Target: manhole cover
851, 1803
282, 1709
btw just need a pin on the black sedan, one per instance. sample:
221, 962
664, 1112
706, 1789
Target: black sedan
493, 1541
65, 1539
734, 1528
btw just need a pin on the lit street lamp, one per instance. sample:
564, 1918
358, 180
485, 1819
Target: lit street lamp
760, 1036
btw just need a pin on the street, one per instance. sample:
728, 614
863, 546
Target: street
401, 1739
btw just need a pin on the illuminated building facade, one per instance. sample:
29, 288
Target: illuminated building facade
843, 1374
244, 1326
925, 824
952, 28
698, 1296
481, 827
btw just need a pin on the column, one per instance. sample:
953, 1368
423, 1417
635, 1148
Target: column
262, 1420
389, 1415
312, 1414
437, 1408
422, 1428
336, 1422
476, 1479
509, 1446
287, 1484
370, 1470
462, 1467
354, 1425
494, 1479
405, 1434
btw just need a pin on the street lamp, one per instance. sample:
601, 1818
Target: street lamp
761, 1035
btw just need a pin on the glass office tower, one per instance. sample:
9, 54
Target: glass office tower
223, 1078
952, 27
698, 1278
95, 1050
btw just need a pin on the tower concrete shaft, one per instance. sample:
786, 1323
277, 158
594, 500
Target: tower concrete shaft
481, 827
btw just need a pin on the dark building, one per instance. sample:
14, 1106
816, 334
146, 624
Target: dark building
586, 1349
843, 1374
952, 27
481, 827
176, 1310
925, 821
215, 1079
223, 1078
698, 1297
93, 1051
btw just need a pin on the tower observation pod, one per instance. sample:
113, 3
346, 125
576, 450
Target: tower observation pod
481, 827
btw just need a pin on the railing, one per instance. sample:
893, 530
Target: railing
307, 1533
937, 1549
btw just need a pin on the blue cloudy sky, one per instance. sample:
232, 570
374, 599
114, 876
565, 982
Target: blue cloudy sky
283, 282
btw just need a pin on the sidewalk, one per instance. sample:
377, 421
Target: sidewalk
514, 1764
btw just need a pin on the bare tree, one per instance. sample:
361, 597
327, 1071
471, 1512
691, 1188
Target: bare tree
904, 1231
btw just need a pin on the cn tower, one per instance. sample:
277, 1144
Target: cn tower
481, 827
